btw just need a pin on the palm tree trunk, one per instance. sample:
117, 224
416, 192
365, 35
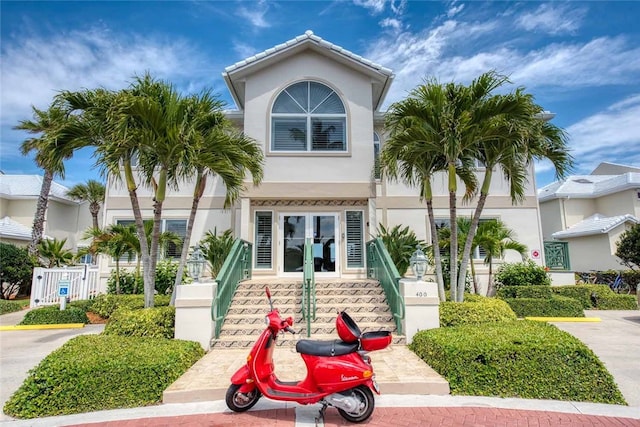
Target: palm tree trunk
38, 220
149, 288
453, 245
142, 237
466, 252
94, 208
491, 289
197, 194
473, 277
437, 258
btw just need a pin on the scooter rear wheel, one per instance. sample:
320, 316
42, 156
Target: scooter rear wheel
240, 402
365, 408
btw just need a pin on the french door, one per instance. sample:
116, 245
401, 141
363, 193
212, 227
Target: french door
323, 229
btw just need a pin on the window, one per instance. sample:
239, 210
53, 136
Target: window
477, 253
308, 116
355, 242
264, 224
168, 249
376, 156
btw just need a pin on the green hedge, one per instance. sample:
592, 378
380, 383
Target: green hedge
539, 291
615, 301
105, 304
474, 312
10, 306
156, 322
52, 315
521, 274
532, 360
83, 304
556, 306
99, 372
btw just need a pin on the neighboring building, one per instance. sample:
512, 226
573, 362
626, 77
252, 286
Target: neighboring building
64, 217
590, 212
314, 108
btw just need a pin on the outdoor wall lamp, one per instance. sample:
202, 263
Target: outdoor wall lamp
195, 265
418, 263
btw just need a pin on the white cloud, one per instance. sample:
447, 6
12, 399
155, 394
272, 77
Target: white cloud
256, 14
244, 50
35, 68
378, 6
552, 19
454, 10
611, 135
392, 23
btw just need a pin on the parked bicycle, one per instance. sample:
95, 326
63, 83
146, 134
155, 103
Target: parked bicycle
587, 278
619, 286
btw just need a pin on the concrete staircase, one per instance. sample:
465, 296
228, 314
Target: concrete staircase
364, 300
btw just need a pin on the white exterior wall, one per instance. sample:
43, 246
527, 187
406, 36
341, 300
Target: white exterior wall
593, 253
551, 217
355, 91
621, 203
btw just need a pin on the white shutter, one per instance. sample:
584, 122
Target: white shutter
263, 240
355, 241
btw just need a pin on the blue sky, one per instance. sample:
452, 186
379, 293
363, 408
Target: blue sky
581, 60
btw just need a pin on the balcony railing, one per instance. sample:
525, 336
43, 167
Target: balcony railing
556, 255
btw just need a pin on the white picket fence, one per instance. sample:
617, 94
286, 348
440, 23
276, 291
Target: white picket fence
84, 283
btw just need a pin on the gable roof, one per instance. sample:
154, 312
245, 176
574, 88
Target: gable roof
595, 224
589, 186
234, 74
28, 187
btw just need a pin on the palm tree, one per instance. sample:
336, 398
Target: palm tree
92, 192
51, 148
421, 143
510, 142
215, 149
496, 238
53, 254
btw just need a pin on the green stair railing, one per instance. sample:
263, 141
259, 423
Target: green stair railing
236, 268
308, 286
381, 267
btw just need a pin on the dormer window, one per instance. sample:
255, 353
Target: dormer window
308, 117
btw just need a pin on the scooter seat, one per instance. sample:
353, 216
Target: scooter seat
326, 348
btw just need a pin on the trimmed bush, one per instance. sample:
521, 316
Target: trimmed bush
474, 312
156, 322
98, 372
52, 315
556, 306
615, 301
532, 360
105, 305
130, 282
83, 304
10, 306
583, 293
540, 291
521, 274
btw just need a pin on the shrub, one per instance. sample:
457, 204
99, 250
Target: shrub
521, 274
156, 322
99, 372
615, 301
583, 293
52, 315
130, 282
540, 291
474, 312
166, 272
555, 306
10, 306
105, 305
524, 359
83, 304
401, 243
16, 270
216, 248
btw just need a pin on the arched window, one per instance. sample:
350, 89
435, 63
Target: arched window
308, 116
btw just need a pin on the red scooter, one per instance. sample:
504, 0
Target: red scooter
339, 372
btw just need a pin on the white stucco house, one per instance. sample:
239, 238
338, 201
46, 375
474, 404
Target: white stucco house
315, 108
65, 218
590, 212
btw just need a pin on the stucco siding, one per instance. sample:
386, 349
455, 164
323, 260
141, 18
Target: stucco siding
592, 253
623, 202
575, 210
551, 217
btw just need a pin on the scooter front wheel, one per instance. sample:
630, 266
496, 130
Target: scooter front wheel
365, 407
240, 402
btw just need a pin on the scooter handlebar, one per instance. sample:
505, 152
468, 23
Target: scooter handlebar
290, 330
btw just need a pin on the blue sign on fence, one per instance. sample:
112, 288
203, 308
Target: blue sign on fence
63, 288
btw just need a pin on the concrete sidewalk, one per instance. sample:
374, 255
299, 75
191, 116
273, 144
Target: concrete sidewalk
616, 341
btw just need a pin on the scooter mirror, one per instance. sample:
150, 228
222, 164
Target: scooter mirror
268, 292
